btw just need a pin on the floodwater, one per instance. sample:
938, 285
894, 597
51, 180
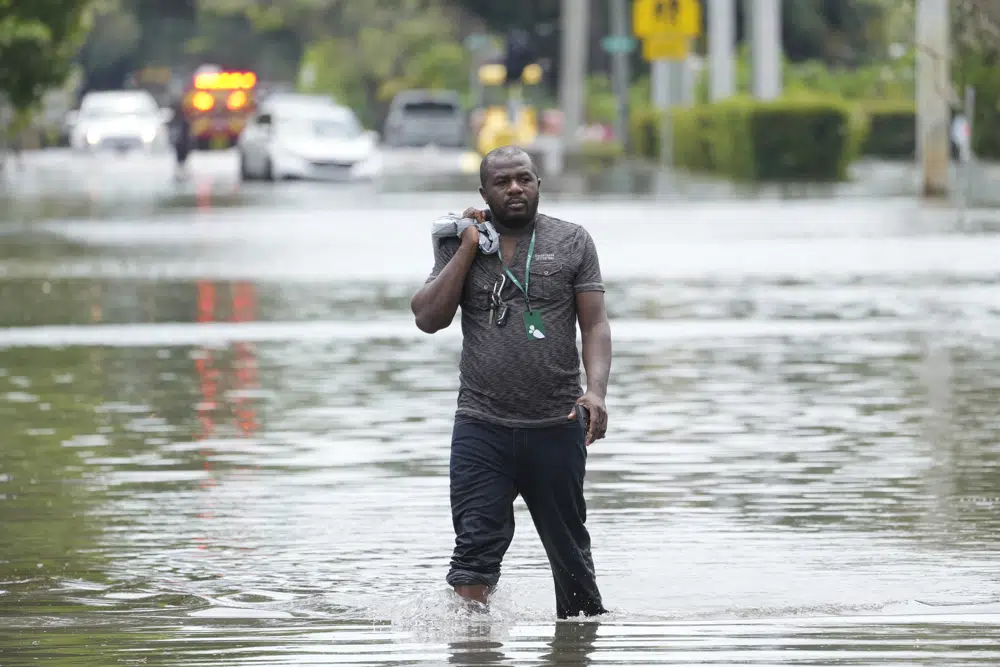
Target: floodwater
223, 442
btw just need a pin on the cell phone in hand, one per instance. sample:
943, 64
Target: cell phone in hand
583, 417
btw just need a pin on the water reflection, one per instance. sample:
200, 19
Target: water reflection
239, 385
477, 650
563, 643
572, 644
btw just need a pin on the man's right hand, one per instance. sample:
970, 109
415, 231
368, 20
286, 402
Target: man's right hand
470, 236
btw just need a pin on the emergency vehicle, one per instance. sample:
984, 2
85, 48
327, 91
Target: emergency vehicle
218, 105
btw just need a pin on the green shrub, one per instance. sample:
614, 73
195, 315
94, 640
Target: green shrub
600, 101
859, 127
644, 141
594, 156
890, 79
979, 71
892, 130
791, 139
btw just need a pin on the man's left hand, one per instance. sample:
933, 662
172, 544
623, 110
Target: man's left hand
479, 216
594, 405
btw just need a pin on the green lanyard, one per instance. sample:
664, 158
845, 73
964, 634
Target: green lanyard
527, 270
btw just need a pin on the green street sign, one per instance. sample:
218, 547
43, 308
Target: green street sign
618, 44
476, 42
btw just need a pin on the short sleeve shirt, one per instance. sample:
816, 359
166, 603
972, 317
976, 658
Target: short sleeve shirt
505, 377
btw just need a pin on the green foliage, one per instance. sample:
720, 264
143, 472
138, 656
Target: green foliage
792, 139
891, 131
309, 19
977, 64
859, 127
985, 78
600, 100
38, 39
394, 46
881, 120
113, 36
594, 156
834, 32
893, 79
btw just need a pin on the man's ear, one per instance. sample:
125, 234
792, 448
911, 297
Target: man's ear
482, 192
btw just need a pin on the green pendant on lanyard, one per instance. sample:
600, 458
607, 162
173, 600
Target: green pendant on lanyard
532, 320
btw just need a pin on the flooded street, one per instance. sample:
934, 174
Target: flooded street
224, 442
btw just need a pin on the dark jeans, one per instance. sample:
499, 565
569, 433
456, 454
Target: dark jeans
490, 466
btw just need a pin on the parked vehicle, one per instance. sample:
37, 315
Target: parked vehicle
302, 139
419, 118
282, 96
120, 120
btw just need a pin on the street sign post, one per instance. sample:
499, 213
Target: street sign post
476, 41
618, 44
666, 28
666, 17
665, 47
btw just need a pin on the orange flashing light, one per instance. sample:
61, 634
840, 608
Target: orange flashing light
236, 100
202, 101
225, 81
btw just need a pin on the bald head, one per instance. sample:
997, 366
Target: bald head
504, 153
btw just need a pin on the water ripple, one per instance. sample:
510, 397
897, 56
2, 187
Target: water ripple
801, 468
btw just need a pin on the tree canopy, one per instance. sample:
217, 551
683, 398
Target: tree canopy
365, 51
38, 40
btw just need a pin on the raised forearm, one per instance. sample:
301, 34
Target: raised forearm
435, 304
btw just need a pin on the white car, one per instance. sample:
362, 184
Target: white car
121, 120
305, 140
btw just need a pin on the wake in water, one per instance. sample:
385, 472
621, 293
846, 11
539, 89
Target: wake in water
438, 614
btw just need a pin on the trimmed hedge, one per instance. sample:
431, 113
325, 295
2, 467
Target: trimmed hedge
642, 136
751, 140
594, 156
983, 74
892, 130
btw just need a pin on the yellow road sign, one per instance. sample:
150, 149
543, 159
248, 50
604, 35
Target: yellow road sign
663, 17
665, 47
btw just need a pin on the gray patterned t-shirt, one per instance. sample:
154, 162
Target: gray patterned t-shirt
505, 377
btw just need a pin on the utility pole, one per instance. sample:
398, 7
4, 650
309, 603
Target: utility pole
721, 48
620, 75
933, 95
572, 78
765, 36
661, 87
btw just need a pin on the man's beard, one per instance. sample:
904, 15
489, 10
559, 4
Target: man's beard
518, 223
521, 221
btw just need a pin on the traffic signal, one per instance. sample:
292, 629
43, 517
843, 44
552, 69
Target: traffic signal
519, 55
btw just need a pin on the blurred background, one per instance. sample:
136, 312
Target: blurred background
588, 83
224, 442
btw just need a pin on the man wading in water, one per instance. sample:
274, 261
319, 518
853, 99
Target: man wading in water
521, 426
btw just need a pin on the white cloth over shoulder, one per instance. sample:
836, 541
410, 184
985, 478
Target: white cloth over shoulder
451, 225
